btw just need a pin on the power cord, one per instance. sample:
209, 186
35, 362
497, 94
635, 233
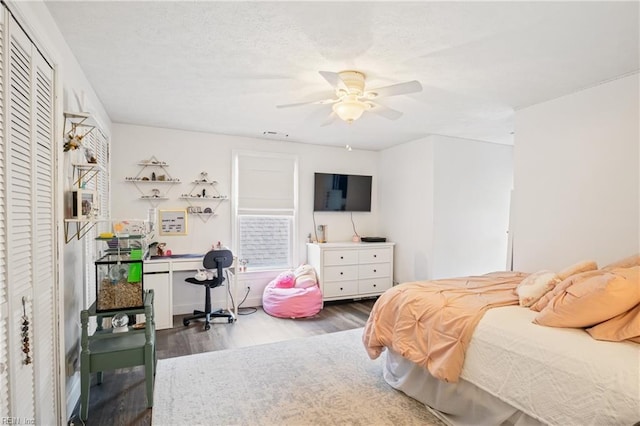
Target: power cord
315, 228
354, 226
251, 310
233, 303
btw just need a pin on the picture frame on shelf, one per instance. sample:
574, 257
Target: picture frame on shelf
82, 203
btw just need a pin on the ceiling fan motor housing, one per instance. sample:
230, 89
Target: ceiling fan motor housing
354, 81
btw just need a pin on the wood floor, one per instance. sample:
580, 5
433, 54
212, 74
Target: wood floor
121, 400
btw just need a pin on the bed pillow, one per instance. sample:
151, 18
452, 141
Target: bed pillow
578, 268
590, 299
560, 288
533, 287
625, 326
627, 262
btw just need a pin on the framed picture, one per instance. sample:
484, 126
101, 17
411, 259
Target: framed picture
173, 222
81, 203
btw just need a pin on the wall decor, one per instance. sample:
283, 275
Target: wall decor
173, 222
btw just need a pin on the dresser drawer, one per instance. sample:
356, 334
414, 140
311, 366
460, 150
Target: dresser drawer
155, 267
342, 288
374, 270
340, 257
374, 285
375, 255
340, 273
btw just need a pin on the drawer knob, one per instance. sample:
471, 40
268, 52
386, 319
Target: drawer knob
341, 257
375, 255
375, 270
375, 285
341, 273
341, 288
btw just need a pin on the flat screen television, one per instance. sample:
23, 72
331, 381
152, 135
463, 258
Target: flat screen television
342, 193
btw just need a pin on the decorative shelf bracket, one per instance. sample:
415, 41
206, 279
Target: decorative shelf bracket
85, 172
82, 226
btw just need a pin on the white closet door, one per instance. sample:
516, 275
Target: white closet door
29, 230
20, 219
4, 305
44, 324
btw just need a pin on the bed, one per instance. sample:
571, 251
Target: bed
499, 367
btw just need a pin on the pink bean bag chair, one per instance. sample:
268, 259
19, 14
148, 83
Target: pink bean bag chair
293, 294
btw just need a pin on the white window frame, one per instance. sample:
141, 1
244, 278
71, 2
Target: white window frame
236, 211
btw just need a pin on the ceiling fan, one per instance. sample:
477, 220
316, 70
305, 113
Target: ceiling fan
352, 100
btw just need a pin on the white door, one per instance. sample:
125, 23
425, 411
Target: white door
28, 368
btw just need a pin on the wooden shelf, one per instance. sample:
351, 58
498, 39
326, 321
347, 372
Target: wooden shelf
140, 181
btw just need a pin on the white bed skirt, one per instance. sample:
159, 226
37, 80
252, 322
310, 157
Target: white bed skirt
459, 404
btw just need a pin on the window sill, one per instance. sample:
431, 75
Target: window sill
258, 272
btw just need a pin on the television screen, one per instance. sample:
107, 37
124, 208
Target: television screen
342, 193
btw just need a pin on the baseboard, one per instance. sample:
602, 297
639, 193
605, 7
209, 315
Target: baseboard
73, 394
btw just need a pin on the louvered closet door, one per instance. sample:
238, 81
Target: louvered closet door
30, 230
4, 305
19, 217
44, 323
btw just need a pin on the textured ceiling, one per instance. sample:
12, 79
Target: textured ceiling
222, 67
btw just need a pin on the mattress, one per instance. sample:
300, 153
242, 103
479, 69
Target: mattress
513, 367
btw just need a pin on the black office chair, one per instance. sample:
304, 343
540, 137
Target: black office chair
214, 259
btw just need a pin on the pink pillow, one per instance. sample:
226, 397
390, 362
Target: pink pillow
285, 279
590, 298
625, 326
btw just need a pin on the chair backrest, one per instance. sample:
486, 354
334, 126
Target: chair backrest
218, 259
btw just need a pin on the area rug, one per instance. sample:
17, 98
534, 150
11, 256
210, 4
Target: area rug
319, 380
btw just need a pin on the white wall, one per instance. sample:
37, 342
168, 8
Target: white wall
189, 153
445, 203
71, 85
471, 198
406, 207
576, 178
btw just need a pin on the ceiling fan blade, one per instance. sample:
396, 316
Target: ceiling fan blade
395, 89
384, 111
321, 102
334, 79
330, 119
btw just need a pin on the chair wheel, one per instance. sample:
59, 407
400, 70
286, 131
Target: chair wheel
230, 320
185, 322
207, 326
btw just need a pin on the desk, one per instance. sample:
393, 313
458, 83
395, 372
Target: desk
159, 276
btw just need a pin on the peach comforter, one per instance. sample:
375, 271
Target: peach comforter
431, 322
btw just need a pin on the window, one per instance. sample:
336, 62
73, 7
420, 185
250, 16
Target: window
265, 204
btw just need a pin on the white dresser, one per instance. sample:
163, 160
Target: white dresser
352, 270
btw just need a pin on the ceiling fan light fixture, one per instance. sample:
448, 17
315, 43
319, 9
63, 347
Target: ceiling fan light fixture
349, 108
